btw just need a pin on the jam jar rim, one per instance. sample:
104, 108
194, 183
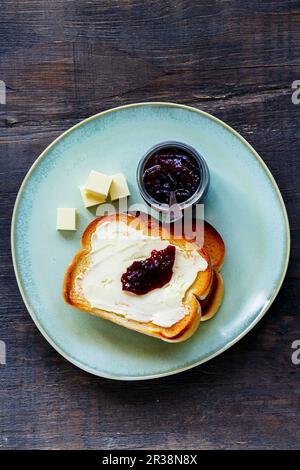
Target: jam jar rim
200, 193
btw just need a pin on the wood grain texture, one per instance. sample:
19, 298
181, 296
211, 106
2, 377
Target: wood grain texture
65, 60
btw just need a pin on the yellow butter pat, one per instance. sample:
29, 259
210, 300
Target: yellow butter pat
66, 218
89, 199
118, 188
98, 184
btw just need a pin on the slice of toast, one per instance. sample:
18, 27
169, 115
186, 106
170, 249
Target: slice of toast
180, 331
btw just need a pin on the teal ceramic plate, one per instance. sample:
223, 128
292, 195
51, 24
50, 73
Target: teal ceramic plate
244, 204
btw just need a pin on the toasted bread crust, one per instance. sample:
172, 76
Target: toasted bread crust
210, 240
214, 246
211, 304
181, 330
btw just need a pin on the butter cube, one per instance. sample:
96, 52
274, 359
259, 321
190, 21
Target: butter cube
98, 184
89, 199
118, 188
66, 218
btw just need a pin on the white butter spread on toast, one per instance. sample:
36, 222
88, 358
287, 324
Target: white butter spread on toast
114, 247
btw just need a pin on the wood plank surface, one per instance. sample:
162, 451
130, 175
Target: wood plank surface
63, 61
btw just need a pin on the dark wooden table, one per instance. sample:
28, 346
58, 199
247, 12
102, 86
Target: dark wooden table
65, 60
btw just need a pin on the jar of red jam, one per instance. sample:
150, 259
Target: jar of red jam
172, 169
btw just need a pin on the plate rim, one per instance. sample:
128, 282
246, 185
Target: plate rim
228, 345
